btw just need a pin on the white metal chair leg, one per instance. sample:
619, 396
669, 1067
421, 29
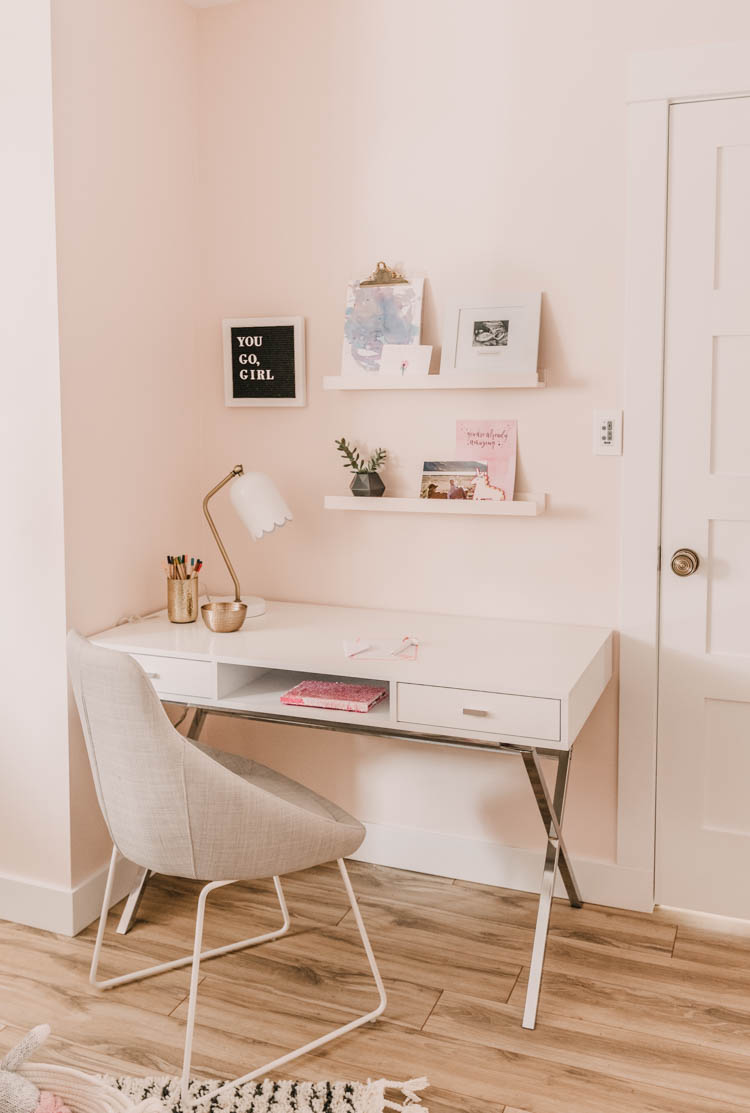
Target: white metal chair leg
313, 1044
194, 974
175, 964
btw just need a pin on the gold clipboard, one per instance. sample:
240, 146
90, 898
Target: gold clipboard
384, 276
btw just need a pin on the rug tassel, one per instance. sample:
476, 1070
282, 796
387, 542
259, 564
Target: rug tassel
410, 1092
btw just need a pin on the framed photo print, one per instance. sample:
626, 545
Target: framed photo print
499, 335
264, 361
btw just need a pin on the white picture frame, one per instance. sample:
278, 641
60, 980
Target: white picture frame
277, 351
497, 334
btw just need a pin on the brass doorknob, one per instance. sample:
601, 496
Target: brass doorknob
684, 562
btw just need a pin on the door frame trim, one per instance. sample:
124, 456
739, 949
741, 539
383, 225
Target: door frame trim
656, 80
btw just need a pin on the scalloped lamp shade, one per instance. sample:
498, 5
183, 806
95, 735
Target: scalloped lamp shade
259, 503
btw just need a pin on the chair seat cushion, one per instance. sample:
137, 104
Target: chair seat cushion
310, 829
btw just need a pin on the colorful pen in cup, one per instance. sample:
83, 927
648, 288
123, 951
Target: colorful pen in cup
177, 567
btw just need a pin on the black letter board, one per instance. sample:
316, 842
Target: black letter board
262, 360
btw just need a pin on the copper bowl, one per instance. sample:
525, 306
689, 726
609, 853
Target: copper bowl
224, 618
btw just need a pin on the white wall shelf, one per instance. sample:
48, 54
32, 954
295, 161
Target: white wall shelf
522, 506
476, 380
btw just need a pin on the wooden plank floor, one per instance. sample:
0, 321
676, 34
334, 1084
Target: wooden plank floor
639, 1013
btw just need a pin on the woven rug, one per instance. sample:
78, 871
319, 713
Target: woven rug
280, 1097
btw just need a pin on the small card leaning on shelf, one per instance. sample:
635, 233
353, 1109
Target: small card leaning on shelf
493, 442
335, 695
405, 360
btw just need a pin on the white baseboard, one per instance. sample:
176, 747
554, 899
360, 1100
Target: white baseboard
60, 910
511, 867
68, 911
88, 896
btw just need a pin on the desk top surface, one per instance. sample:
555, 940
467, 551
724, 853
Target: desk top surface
536, 658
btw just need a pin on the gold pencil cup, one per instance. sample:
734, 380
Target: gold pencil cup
182, 600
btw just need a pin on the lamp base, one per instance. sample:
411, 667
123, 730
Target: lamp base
255, 605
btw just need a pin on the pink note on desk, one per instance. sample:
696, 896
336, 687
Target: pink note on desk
334, 695
495, 443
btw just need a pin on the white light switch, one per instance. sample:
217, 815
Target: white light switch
608, 432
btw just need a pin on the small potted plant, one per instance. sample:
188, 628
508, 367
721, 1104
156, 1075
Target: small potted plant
366, 481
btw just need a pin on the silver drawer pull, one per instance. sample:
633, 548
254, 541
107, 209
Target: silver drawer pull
153, 675
474, 711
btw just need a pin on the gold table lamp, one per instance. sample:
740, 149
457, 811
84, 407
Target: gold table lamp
261, 507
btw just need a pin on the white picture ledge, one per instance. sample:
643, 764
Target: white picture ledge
524, 505
474, 380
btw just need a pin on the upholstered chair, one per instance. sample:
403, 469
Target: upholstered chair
177, 807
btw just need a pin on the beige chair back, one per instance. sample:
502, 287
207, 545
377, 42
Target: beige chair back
137, 758
177, 807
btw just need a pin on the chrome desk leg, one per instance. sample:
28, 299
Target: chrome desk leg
132, 904
196, 725
551, 812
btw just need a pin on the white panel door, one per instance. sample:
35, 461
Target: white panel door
703, 799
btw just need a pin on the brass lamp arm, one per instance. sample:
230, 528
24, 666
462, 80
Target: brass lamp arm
238, 470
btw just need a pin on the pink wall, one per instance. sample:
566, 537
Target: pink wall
125, 163
482, 143
34, 806
250, 159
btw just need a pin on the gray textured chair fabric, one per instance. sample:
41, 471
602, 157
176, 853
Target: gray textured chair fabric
176, 807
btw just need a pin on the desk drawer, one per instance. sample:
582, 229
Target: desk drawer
485, 712
179, 676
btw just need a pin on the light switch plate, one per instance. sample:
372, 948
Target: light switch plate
608, 432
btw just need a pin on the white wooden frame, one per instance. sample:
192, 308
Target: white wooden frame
656, 80
518, 361
300, 389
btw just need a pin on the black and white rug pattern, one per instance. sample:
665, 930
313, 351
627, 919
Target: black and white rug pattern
267, 1096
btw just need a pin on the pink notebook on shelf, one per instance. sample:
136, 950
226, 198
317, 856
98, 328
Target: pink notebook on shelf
334, 695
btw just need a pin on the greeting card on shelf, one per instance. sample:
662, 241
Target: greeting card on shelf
494, 442
405, 359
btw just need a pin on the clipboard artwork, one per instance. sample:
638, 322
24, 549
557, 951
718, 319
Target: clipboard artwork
384, 309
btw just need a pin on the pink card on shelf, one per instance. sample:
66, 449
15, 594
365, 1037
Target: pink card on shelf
493, 442
335, 695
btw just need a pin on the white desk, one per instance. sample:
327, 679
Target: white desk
507, 687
